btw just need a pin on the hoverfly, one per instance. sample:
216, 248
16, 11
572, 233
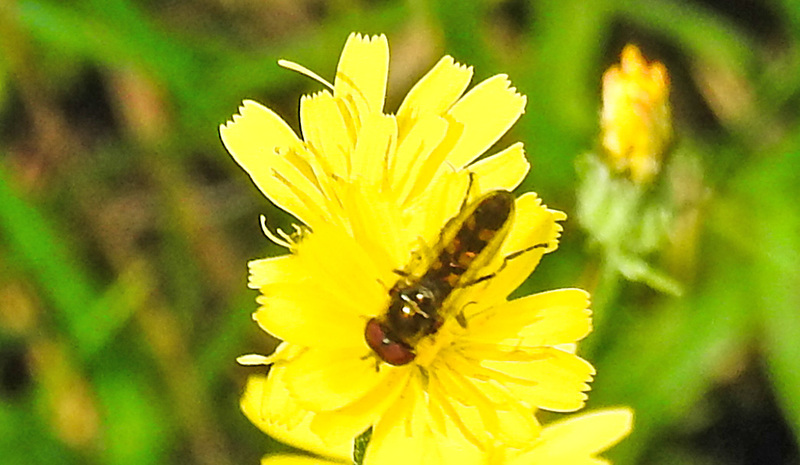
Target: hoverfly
466, 244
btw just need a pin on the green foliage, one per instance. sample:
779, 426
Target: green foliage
125, 228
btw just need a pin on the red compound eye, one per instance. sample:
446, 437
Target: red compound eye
390, 351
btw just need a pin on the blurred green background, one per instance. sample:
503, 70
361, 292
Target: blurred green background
125, 227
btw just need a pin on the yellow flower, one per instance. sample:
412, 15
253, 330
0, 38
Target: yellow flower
636, 120
374, 192
574, 441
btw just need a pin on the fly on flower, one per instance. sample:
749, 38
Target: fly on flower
418, 302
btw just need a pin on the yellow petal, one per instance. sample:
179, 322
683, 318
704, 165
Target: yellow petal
268, 405
510, 428
381, 236
414, 149
328, 379
362, 71
347, 291
517, 427
506, 421
426, 172
547, 378
376, 146
467, 403
405, 434
487, 112
466, 420
339, 263
434, 94
440, 202
504, 170
350, 421
598, 430
292, 313
328, 133
253, 360
254, 131
282, 269
263, 144
577, 439
488, 418
544, 319
390, 437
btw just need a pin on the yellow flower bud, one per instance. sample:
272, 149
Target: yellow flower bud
636, 121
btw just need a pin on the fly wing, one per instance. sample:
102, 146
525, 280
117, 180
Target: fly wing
488, 226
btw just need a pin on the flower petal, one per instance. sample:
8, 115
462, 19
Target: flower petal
544, 319
268, 405
414, 150
546, 377
598, 430
351, 420
266, 271
405, 434
345, 263
255, 130
376, 146
504, 170
487, 112
362, 72
488, 413
266, 148
378, 230
390, 442
328, 133
440, 202
348, 289
427, 170
322, 379
434, 94
576, 440
291, 313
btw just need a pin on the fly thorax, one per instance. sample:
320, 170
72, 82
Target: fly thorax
413, 312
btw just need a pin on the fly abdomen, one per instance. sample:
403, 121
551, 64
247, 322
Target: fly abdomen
466, 244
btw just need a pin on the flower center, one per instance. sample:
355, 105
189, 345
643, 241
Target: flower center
429, 347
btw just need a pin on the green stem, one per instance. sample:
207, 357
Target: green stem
603, 295
360, 446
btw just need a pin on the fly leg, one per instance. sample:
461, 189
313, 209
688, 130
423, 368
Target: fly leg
507, 259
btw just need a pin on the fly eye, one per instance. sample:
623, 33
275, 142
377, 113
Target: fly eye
391, 351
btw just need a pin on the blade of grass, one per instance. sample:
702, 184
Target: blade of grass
41, 250
777, 220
